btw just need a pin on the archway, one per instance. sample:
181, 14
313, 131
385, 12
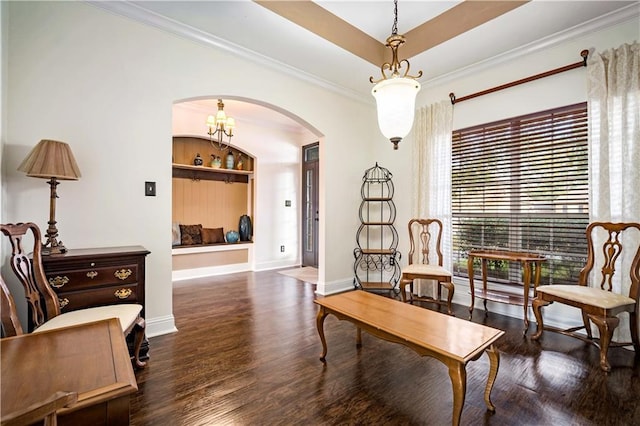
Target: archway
273, 138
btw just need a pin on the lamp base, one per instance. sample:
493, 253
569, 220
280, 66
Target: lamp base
58, 248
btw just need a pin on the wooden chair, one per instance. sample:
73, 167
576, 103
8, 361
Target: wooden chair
8, 313
42, 301
425, 237
599, 304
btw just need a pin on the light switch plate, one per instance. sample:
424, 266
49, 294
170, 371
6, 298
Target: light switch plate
150, 189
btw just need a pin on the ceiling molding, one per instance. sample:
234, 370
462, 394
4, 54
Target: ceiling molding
325, 24
603, 22
144, 16
136, 13
455, 21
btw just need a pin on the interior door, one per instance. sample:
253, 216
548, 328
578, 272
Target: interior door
310, 219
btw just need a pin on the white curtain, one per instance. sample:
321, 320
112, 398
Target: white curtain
614, 147
432, 169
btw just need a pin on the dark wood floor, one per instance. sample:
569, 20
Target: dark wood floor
247, 354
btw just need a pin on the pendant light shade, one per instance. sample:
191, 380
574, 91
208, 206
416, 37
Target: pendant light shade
395, 99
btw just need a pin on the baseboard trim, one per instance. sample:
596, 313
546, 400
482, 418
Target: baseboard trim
337, 286
161, 325
187, 274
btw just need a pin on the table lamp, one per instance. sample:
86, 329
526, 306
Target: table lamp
51, 160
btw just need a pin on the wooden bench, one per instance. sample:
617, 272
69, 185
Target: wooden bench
451, 340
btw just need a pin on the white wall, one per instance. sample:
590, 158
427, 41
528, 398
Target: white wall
106, 85
550, 92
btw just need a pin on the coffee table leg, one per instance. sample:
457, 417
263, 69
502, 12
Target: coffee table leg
458, 376
494, 364
358, 337
322, 314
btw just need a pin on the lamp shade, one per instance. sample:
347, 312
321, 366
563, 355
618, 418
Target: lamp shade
396, 99
51, 159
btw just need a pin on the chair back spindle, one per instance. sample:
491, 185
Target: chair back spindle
610, 254
41, 299
425, 237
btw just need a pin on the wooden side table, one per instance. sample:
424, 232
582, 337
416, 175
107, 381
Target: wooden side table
531, 265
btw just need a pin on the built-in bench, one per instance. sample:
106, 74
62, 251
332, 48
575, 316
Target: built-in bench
201, 260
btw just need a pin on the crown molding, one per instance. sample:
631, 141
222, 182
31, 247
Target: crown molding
611, 19
136, 13
144, 16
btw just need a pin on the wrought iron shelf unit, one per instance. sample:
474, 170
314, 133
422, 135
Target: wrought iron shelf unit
377, 266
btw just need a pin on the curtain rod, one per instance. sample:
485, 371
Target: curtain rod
583, 63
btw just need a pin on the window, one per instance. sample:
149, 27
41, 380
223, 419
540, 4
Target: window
521, 184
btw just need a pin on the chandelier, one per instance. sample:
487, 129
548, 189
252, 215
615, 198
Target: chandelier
220, 126
396, 92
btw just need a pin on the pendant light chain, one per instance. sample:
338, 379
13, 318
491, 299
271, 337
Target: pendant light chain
394, 28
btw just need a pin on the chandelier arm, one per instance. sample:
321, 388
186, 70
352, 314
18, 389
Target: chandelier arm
406, 71
217, 140
385, 67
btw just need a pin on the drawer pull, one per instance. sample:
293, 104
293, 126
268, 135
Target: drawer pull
122, 274
58, 281
123, 293
63, 302
92, 274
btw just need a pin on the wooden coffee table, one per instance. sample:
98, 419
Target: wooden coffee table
452, 341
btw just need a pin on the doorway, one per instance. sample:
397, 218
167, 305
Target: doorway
310, 209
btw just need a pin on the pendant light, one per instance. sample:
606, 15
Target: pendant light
395, 93
220, 126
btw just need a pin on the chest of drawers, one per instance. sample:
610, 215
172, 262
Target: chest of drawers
90, 277
83, 278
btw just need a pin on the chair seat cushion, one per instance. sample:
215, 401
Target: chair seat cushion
127, 313
422, 269
587, 295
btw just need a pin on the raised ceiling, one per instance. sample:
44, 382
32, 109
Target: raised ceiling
442, 36
340, 44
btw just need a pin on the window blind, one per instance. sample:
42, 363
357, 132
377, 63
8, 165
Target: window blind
521, 184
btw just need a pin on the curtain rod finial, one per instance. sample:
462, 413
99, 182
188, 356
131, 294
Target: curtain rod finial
453, 98
585, 55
